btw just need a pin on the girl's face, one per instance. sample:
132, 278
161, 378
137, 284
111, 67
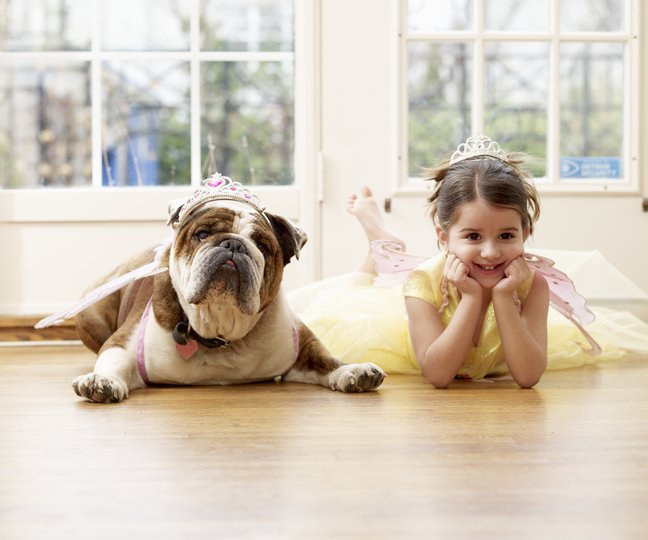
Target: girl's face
486, 238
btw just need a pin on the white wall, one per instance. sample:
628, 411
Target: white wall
359, 114
45, 266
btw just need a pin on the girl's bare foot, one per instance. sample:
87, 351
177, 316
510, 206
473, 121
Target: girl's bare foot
365, 208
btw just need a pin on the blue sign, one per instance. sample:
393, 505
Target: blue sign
590, 167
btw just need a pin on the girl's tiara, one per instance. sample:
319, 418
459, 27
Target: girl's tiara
219, 187
477, 146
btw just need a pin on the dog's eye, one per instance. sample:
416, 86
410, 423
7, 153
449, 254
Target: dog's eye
201, 235
264, 248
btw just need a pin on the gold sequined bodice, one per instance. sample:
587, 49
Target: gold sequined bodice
487, 357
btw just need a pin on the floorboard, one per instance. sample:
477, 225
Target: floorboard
568, 459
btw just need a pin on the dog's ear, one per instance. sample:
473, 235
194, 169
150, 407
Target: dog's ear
291, 237
175, 205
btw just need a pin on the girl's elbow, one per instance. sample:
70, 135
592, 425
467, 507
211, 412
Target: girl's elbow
528, 380
438, 380
436, 371
529, 374
525, 385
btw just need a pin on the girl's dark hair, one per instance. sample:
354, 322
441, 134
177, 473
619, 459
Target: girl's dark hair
501, 183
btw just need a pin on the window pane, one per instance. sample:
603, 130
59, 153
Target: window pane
257, 25
439, 15
516, 95
45, 25
591, 118
592, 15
145, 25
146, 134
247, 127
440, 96
517, 15
45, 125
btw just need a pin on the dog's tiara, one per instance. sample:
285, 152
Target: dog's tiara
477, 146
219, 187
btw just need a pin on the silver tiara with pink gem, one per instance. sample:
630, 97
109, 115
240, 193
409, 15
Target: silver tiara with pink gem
219, 187
478, 146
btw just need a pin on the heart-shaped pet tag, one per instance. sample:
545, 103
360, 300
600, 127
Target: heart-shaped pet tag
188, 350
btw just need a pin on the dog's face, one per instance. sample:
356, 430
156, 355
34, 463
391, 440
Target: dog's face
227, 253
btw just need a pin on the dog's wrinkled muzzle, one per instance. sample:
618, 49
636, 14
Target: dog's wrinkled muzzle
226, 268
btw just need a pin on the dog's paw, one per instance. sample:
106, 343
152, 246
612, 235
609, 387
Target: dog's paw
356, 377
100, 388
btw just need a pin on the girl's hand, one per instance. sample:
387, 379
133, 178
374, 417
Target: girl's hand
516, 273
456, 272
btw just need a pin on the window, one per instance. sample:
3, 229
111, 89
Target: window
112, 93
556, 79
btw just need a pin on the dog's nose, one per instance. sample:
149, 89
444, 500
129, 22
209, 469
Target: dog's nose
232, 244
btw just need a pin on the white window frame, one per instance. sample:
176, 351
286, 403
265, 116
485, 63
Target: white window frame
138, 204
551, 184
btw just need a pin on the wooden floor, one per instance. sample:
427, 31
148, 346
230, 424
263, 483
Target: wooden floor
568, 459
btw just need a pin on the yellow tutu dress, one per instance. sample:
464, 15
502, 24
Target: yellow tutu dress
360, 321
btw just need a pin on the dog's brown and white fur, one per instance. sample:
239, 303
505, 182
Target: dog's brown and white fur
225, 270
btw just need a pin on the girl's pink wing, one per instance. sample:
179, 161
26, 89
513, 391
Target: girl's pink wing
391, 264
562, 293
563, 296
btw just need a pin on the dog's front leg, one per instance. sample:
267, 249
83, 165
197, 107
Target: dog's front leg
115, 373
316, 365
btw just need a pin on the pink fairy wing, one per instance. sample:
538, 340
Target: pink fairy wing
100, 292
391, 264
562, 293
389, 257
564, 298
107, 289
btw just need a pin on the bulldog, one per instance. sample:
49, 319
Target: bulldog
218, 316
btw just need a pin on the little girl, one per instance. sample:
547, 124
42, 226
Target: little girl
475, 310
